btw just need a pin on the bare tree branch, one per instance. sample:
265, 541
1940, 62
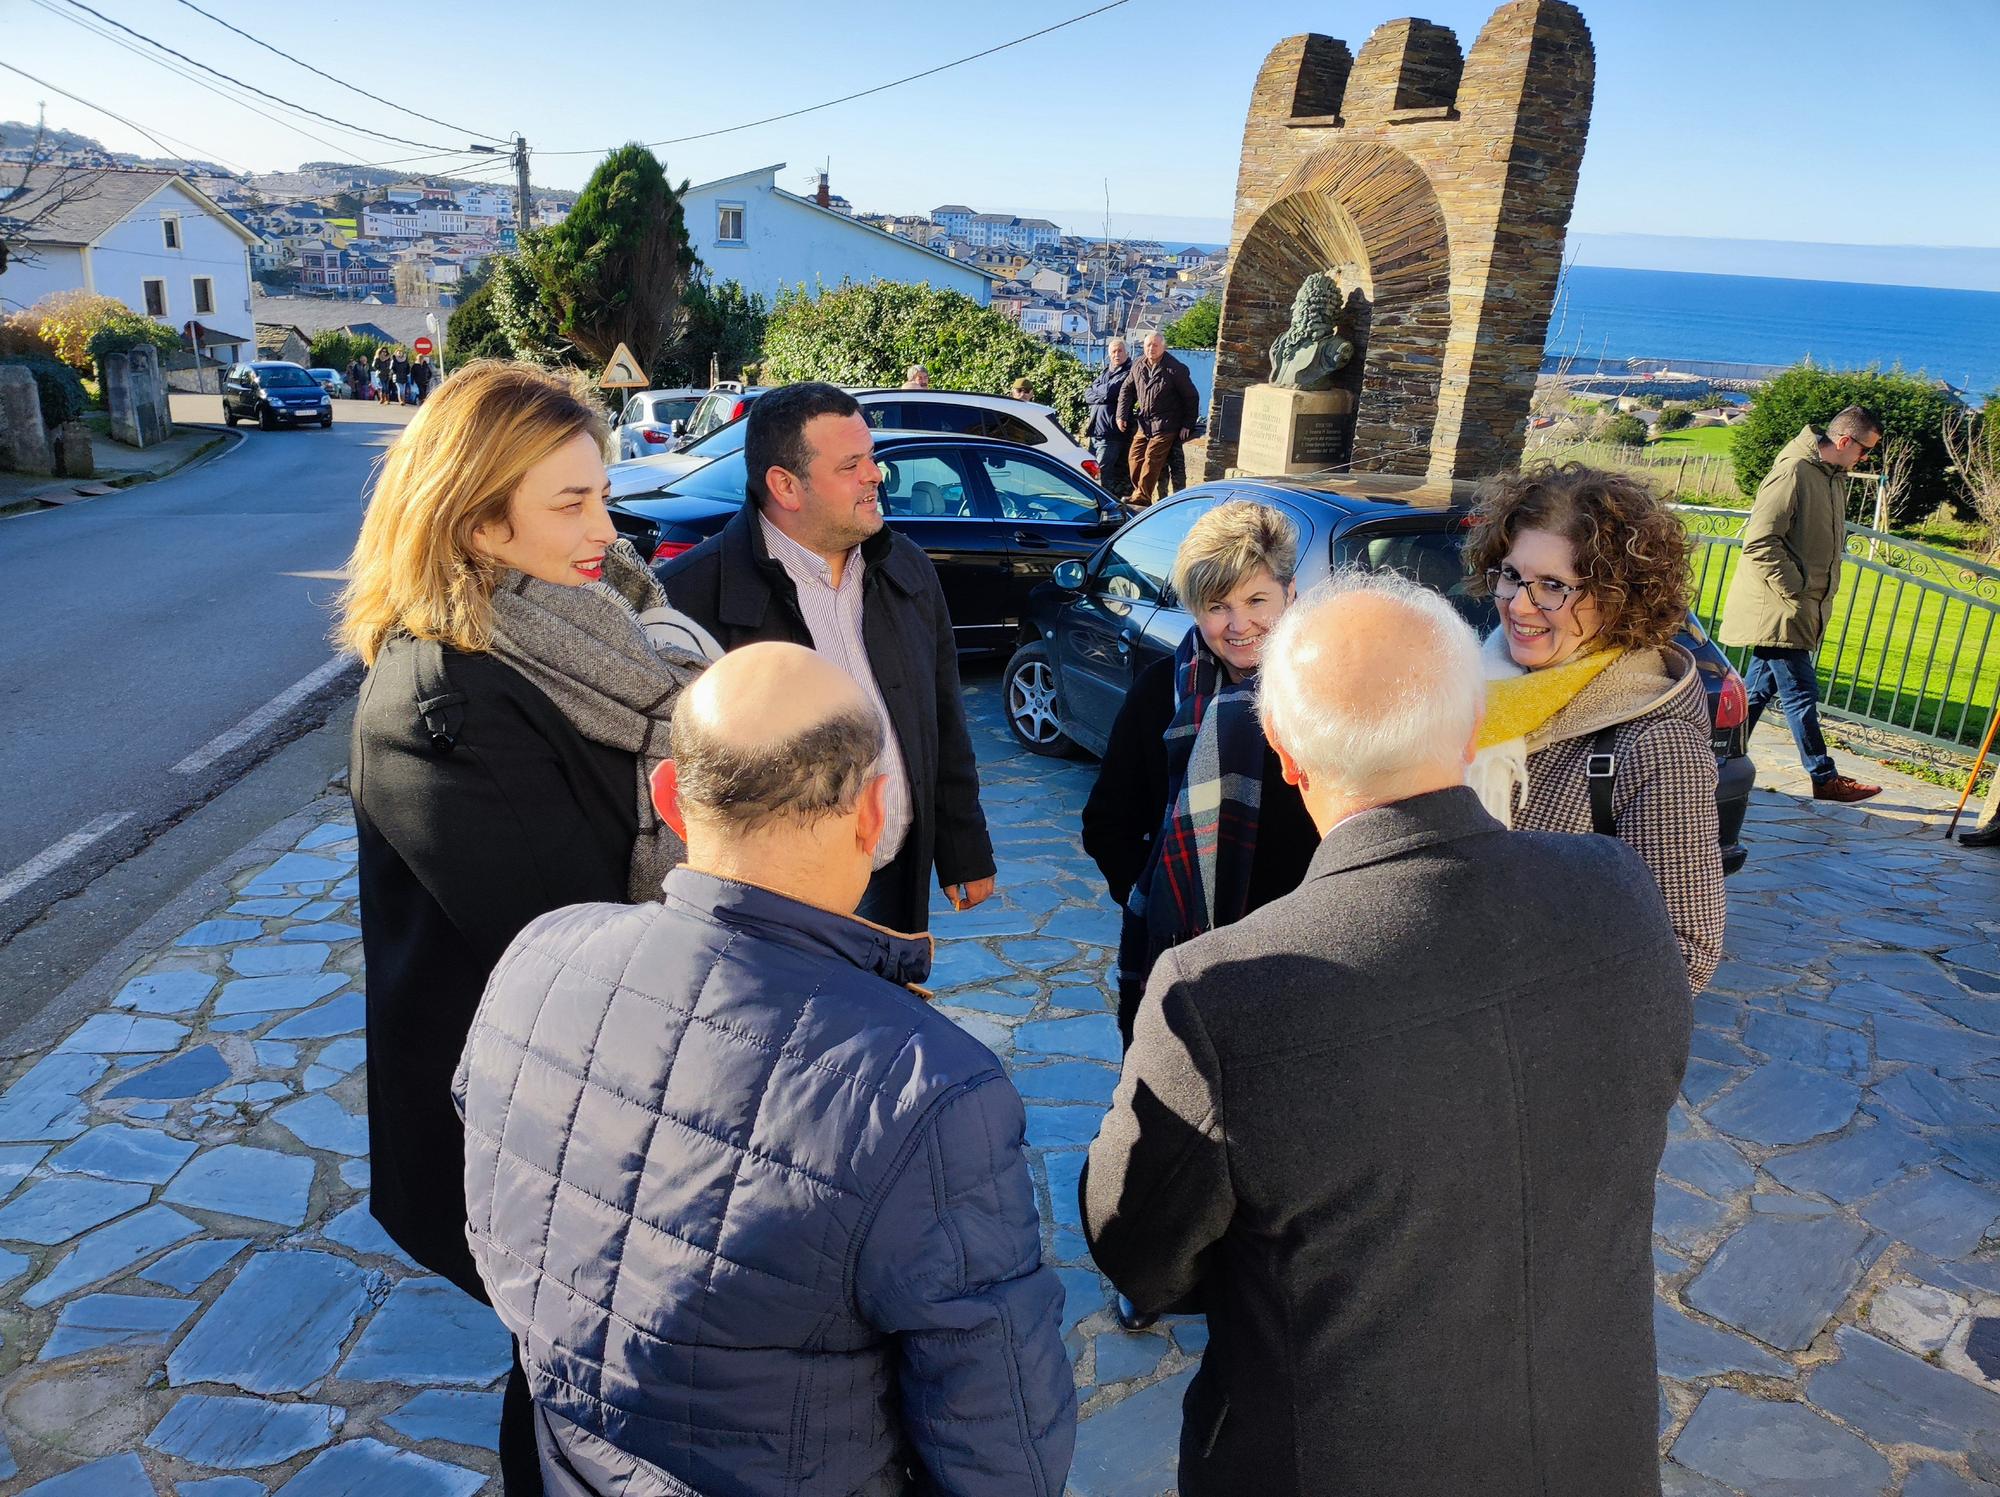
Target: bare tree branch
1972, 442
34, 191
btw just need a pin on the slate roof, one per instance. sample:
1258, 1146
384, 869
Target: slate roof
313, 314
101, 204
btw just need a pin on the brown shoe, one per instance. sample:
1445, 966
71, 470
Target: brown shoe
1840, 788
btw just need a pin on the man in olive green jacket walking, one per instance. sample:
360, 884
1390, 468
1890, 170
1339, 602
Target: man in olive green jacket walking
1782, 593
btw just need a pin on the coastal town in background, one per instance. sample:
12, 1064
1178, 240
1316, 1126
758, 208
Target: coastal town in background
195, 1299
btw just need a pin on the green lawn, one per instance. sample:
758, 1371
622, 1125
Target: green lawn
1705, 441
1896, 651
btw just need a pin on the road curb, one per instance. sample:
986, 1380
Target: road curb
220, 442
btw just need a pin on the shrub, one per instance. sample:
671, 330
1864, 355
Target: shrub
60, 391
870, 335
1676, 417
1197, 327
1908, 406
336, 348
125, 330
21, 337
67, 320
1625, 430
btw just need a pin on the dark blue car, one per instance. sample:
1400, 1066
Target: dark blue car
1097, 623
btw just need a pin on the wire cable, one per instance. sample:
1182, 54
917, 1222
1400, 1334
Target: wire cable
351, 88
401, 140
165, 150
792, 114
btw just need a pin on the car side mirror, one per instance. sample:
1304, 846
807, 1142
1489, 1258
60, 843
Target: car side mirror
677, 428
1069, 575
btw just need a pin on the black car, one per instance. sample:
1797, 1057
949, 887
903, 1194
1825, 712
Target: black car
274, 394
1097, 623
994, 517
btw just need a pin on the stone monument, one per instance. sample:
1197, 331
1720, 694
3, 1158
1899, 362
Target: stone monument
1436, 188
24, 441
135, 394
1297, 422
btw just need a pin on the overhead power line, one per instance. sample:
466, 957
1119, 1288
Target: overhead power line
350, 87
165, 149
400, 140
792, 114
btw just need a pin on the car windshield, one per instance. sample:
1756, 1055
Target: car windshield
1430, 557
283, 376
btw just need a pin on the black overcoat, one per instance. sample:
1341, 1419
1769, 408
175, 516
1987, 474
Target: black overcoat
479, 807
731, 587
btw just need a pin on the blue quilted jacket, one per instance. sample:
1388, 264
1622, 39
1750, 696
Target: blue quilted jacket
758, 1217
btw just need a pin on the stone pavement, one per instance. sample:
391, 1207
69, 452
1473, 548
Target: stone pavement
200, 1304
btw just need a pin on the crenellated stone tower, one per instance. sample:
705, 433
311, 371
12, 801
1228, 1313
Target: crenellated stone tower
1437, 188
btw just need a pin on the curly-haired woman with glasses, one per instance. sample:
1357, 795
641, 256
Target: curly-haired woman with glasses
1596, 719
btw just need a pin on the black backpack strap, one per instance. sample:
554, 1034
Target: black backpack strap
1600, 772
442, 708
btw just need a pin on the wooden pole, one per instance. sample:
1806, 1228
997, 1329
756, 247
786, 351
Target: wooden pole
1973, 778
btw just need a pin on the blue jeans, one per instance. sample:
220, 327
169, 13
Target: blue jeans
1788, 676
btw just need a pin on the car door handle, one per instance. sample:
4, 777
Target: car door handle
1029, 538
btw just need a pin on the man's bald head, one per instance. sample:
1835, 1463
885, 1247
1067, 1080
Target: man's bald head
1155, 346
773, 732
1372, 686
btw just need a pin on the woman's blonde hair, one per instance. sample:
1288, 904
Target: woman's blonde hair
455, 468
1229, 545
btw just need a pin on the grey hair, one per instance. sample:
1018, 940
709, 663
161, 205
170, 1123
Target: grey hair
1368, 744
817, 773
1118, 342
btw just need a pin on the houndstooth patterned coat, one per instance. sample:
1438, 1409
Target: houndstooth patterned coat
1662, 797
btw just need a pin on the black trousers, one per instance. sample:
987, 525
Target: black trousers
520, 1462
886, 902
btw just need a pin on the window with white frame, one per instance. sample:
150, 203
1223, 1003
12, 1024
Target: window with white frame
156, 297
170, 228
729, 223
204, 296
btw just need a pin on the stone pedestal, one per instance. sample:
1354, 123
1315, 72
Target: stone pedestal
136, 397
1294, 431
74, 458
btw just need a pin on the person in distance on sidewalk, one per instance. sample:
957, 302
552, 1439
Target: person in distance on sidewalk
1781, 595
759, 1217
521, 669
1396, 1132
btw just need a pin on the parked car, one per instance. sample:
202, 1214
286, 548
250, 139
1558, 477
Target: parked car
972, 415
1095, 624
720, 406
331, 381
653, 420
273, 394
995, 517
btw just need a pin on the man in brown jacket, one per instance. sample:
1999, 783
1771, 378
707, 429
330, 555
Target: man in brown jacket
1157, 409
1782, 593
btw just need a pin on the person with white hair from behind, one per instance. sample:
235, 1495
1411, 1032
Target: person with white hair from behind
1395, 1133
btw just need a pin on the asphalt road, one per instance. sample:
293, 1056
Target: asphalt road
164, 640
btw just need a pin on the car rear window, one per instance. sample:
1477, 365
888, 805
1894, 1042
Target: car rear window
1432, 557
722, 479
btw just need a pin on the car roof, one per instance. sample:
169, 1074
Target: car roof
682, 390
632, 471
1366, 495
277, 364
975, 397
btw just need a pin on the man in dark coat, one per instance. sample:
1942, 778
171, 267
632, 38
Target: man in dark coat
1157, 411
759, 1217
808, 560
1107, 443
1397, 1132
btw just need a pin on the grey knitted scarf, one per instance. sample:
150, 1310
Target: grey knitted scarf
613, 657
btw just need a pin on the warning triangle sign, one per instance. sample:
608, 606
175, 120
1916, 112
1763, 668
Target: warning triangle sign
623, 372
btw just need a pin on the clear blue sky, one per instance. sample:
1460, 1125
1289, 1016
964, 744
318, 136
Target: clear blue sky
1790, 120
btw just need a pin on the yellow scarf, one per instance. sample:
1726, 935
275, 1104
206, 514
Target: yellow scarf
1517, 705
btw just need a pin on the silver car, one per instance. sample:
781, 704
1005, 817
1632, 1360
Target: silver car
652, 421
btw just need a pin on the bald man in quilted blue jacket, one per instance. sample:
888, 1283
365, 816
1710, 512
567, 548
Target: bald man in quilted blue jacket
759, 1218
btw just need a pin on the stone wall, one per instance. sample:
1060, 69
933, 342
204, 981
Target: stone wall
1437, 188
135, 393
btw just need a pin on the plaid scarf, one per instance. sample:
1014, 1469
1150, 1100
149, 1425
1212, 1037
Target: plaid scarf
1197, 876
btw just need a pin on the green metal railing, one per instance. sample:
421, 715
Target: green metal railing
1914, 639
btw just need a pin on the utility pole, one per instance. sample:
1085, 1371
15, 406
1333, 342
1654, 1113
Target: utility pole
521, 182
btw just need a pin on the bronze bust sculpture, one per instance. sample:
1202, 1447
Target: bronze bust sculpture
1308, 354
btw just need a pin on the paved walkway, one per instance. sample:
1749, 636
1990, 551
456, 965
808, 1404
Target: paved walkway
202, 1306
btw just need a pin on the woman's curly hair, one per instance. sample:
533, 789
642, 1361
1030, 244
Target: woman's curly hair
1631, 550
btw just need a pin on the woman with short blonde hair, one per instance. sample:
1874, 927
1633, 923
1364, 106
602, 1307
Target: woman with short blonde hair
522, 670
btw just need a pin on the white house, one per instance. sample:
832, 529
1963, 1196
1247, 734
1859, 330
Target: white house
1052, 322
749, 230
444, 217
953, 218
153, 240
487, 202
394, 219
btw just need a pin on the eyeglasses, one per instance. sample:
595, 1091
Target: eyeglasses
1546, 593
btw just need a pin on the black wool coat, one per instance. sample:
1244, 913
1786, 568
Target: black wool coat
1397, 1133
731, 587
479, 807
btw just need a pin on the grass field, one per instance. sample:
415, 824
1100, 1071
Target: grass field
1897, 651
1704, 441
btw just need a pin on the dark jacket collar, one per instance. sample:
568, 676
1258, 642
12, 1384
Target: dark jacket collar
750, 576
890, 955
1403, 826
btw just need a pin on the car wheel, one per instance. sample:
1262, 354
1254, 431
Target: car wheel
1034, 708
267, 419
326, 423
229, 416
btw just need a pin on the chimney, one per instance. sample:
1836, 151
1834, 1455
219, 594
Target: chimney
822, 196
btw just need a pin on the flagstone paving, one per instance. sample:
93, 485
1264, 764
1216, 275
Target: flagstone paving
202, 1306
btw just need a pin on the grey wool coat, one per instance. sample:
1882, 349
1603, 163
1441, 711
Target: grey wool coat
1396, 1133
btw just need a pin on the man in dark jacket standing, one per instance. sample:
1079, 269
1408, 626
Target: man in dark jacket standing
1107, 443
1397, 1132
759, 1218
1782, 593
808, 560
1157, 411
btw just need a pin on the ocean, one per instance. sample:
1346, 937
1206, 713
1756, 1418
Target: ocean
1952, 335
